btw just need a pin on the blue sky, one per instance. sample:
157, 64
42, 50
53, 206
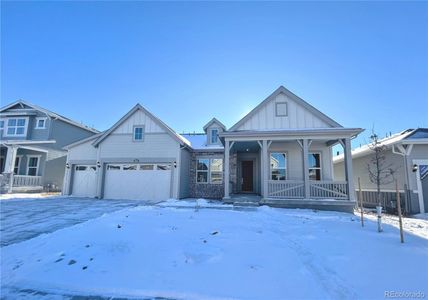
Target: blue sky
361, 63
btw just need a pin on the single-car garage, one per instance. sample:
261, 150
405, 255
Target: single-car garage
84, 181
138, 181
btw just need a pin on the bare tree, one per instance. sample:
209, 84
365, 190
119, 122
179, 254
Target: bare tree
380, 173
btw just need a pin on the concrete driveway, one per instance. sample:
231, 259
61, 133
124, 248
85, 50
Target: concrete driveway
25, 218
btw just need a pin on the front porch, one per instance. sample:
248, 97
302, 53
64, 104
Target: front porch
282, 170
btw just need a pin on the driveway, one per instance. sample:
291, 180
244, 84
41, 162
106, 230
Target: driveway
26, 218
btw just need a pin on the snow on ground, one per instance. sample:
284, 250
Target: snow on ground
414, 224
192, 253
25, 218
27, 195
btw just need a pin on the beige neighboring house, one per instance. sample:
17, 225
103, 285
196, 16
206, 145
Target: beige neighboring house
279, 154
408, 154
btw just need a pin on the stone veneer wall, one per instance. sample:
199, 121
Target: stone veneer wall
204, 190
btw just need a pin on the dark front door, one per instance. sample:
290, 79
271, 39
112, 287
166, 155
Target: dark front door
247, 176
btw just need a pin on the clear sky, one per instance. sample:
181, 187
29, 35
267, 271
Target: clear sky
361, 63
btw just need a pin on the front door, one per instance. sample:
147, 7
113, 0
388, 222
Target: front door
247, 176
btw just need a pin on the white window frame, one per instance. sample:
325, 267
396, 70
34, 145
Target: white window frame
315, 168
143, 133
28, 164
209, 171
211, 135
285, 168
15, 135
19, 157
37, 123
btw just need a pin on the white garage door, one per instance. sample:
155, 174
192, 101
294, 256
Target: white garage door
138, 181
84, 181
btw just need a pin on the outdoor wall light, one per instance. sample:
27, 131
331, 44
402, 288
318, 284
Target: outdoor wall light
98, 164
415, 168
136, 160
175, 164
67, 165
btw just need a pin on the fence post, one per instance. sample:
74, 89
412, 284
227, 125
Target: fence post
360, 195
399, 212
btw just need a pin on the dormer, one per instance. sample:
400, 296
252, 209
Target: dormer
213, 128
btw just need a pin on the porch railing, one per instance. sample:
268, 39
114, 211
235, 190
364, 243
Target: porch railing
25, 180
328, 189
295, 189
286, 189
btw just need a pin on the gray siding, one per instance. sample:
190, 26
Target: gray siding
65, 134
185, 173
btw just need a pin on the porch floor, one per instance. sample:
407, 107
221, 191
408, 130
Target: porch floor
319, 204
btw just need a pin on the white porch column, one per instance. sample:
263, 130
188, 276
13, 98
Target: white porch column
305, 152
348, 168
226, 169
265, 169
9, 164
66, 186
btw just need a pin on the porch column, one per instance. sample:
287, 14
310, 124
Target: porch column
66, 186
265, 169
348, 168
226, 169
305, 152
9, 164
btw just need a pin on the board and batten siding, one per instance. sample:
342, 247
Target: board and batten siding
297, 117
295, 158
139, 118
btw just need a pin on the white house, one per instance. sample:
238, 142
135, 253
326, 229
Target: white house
279, 154
407, 154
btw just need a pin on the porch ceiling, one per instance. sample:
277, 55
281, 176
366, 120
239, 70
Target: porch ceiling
245, 147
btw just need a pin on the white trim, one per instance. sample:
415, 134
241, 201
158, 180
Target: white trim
38, 164
286, 164
209, 158
143, 133
16, 135
319, 152
419, 183
37, 122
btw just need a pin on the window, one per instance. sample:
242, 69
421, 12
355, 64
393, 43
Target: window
314, 166
278, 166
33, 165
17, 164
138, 133
129, 167
1, 124
146, 167
216, 170
214, 136
202, 170
163, 167
209, 170
113, 167
40, 123
16, 127
281, 109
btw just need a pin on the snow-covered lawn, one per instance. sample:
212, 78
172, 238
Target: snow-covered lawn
211, 253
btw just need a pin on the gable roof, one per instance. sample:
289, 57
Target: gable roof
408, 136
137, 107
51, 114
214, 120
294, 97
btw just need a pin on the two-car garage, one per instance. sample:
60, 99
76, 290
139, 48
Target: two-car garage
150, 181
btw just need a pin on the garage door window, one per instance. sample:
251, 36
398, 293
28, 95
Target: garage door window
80, 168
146, 167
163, 167
130, 167
113, 167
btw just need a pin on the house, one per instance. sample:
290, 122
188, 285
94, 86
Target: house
32, 138
407, 154
278, 154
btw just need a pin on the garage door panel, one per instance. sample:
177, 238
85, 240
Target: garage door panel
138, 182
84, 181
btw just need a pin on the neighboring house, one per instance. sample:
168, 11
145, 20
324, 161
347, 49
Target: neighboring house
32, 138
407, 153
278, 154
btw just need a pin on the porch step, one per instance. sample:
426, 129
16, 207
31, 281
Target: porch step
246, 203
